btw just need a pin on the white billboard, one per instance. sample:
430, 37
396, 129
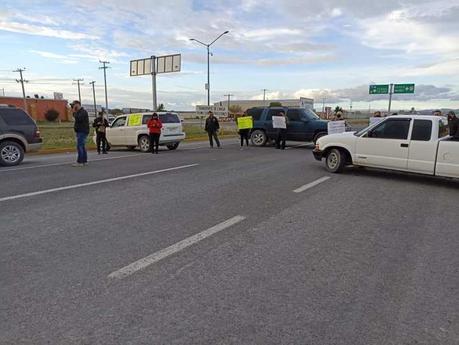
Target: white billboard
160, 64
217, 110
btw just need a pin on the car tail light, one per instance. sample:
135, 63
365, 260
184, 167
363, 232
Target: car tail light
37, 133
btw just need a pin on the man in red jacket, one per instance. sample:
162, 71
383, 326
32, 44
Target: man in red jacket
154, 127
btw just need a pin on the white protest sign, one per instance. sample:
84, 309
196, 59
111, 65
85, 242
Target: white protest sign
279, 122
335, 127
375, 120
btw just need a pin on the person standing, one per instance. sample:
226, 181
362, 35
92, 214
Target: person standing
81, 128
282, 133
154, 128
101, 124
244, 134
212, 127
453, 125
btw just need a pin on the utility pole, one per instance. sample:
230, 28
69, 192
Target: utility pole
3, 90
264, 96
104, 67
350, 107
78, 80
229, 100
94, 97
22, 81
391, 91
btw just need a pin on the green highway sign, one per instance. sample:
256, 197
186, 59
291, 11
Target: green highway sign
404, 88
379, 89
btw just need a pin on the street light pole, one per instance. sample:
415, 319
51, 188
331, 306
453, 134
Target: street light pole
208, 45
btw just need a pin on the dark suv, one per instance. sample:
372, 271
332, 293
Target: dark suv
18, 134
304, 124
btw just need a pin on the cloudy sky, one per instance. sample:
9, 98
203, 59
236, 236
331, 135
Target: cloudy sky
322, 49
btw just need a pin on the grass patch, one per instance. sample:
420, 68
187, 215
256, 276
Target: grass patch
61, 135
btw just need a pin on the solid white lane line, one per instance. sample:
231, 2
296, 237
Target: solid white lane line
164, 253
68, 163
74, 186
312, 184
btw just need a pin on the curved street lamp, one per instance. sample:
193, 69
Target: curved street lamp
207, 45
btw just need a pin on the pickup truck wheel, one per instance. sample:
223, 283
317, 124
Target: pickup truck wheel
258, 138
172, 146
11, 153
317, 136
144, 143
335, 161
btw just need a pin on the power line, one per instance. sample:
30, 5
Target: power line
104, 67
78, 80
22, 81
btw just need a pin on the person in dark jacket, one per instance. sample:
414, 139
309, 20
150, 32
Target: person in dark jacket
453, 124
282, 133
100, 125
212, 127
81, 128
154, 128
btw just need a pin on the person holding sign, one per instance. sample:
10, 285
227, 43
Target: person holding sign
100, 125
280, 122
154, 128
244, 125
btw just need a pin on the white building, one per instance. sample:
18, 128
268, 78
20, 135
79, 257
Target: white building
247, 104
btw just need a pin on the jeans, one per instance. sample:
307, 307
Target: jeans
244, 134
154, 142
213, 135
101, 141
280, 139
81, 149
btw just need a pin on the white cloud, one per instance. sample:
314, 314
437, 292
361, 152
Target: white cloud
40, 30
58, 57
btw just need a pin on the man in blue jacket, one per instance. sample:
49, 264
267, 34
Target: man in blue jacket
81, 128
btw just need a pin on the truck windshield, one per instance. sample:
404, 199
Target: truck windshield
310, 115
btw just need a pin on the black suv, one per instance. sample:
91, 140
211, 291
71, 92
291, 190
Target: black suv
304, 124
18, 134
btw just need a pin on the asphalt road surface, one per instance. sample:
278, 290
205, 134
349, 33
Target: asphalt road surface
201, 246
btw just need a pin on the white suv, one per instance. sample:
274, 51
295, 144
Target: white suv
131, 130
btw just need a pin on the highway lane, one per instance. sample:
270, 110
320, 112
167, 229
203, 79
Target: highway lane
361, 258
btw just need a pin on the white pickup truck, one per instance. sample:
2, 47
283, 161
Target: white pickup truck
411, 143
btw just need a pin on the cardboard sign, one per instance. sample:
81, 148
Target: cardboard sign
375, 120
135, 120
335, 127
279, 122
245, 122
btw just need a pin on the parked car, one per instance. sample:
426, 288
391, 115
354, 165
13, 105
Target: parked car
131, 130
19, 134
304, 124
412, 143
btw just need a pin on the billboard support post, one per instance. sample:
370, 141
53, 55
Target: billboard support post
153, 81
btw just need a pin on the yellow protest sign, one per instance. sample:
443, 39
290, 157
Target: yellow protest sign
135, 120
245, 122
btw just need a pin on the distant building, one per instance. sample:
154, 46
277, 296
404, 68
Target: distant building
135, 110
90, 109
38, 107
247, 104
